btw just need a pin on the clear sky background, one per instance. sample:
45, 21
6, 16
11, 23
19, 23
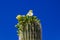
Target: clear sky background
48, 11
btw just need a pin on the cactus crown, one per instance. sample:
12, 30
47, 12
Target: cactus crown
25, 20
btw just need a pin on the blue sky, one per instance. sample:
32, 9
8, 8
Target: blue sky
48, 11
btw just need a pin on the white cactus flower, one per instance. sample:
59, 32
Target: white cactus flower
18, 17
30, 13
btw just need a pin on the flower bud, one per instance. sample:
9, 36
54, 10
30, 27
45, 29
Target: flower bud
18, 17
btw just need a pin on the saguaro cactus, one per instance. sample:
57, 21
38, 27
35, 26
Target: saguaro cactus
29, 27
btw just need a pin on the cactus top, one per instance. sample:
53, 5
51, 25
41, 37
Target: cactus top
24, 20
